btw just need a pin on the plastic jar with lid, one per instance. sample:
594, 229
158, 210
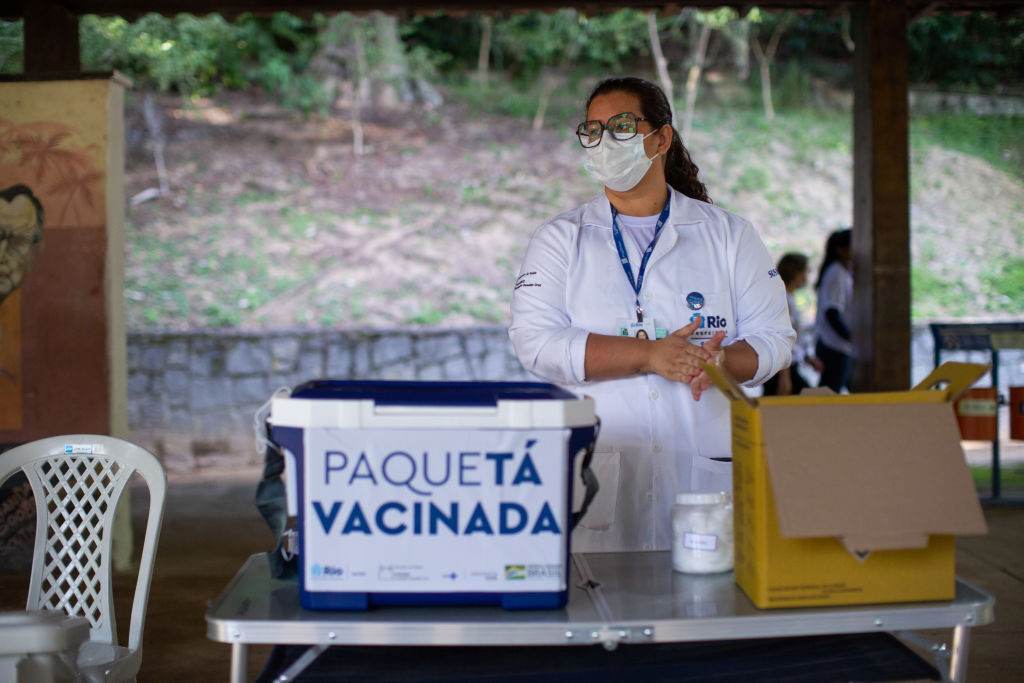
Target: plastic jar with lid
702, 540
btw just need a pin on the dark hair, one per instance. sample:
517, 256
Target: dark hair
680, 171
837, 241
791, 265
8, 195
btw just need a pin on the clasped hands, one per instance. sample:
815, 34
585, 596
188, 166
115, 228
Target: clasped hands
675, 358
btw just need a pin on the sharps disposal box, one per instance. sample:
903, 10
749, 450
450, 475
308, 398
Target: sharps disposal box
432, 492
845, 500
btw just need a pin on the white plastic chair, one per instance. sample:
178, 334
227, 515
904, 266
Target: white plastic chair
77, 481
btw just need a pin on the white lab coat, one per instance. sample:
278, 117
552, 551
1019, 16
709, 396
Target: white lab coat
656, 441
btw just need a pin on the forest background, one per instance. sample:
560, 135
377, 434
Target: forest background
373, 170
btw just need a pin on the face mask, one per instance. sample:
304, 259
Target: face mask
619, 165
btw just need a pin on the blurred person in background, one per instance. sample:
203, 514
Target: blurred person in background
793, 269
835, 296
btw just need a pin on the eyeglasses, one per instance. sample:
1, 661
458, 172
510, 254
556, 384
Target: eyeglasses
621, 126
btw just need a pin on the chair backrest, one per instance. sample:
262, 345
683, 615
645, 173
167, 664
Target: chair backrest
77, 481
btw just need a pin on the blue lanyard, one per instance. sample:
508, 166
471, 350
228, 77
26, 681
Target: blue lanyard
638, 283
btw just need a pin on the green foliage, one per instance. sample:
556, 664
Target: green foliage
717, 19
933, 297
1011, 477
197, 55
10, 47
979, 50
792, 86
427, 316
752, 179
183, 53
455, 39
809, 37
525, 43
1005, 284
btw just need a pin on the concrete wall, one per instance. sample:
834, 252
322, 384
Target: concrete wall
932, 101
192, 395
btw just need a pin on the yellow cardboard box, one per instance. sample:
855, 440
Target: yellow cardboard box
843, 500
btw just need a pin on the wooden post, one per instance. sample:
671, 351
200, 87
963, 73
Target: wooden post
881, 197
51, 39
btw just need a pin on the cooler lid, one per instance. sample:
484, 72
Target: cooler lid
409, 393
408, 404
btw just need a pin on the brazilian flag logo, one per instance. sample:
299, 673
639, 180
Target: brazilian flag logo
515, 572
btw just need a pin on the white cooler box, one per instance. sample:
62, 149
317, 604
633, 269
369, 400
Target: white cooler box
433, 492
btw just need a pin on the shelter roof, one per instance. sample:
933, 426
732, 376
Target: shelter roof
132, 8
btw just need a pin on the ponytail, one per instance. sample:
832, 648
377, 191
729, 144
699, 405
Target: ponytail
681, 173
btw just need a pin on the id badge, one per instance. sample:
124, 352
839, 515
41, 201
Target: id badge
645, 330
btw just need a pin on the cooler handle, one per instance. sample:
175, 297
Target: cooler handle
413, 410
588, 477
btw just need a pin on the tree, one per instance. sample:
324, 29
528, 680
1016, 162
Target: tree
483, 60
765, 56
393, 68
343, 70
737, 34
701, 25
660, 63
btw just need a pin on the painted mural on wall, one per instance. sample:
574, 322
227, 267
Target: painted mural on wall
53, 147
52, 164
21, 230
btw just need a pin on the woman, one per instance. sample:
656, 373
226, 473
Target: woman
793, 269
649, 253
835, 294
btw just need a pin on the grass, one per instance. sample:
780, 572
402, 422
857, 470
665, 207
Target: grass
254, 197
996, 139
162, 288
1005, 283
428, 315
752, 179
746, 131
1011, 478
933, 296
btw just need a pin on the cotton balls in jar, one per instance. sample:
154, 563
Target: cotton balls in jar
702, 540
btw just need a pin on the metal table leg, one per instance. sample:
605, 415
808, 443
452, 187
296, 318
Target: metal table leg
239, 662
958, 658
300, 664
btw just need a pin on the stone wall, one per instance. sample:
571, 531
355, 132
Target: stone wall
192, 395
931, 101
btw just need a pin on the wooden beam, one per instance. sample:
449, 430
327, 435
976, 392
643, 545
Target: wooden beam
12, 9
169, 7
881, 197
51, 39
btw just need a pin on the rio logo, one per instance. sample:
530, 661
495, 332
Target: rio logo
714, 322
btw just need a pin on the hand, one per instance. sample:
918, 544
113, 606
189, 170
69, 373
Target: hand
675, 358
713, 348
816, 363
